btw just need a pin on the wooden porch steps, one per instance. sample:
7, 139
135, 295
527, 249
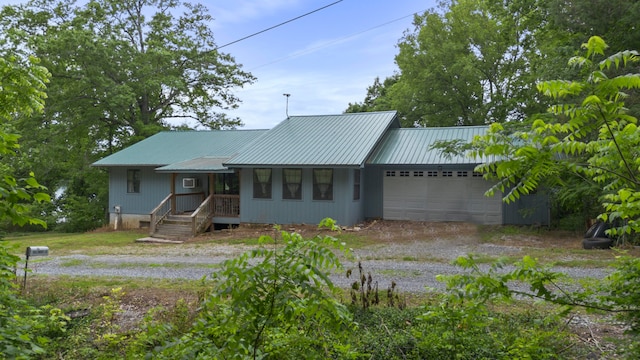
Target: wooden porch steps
174, 227
177, 221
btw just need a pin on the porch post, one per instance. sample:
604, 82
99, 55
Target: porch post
173, 193
212, 191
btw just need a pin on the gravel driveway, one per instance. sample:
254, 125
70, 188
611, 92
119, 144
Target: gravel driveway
413, 266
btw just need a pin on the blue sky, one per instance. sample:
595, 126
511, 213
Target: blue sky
324, 60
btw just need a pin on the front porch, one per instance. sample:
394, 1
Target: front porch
185, 215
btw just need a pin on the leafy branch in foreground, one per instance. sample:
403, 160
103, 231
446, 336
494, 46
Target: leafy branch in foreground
589, 134
276, 301
22, 93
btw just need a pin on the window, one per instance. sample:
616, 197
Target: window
322, 184
262, 183
227, 184
418, 173
390, 173
432, 173
447, 173
292, 184
404, 173
356, 184
477, 174
462, 174
133, 181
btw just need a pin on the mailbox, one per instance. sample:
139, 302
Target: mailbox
37, 251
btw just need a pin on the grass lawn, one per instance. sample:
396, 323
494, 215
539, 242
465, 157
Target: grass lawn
94, 243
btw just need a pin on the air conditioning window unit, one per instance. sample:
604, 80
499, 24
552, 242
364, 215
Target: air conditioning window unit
189, 183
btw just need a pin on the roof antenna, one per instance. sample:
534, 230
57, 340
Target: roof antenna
287, 109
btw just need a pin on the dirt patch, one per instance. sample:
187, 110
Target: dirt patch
375, 231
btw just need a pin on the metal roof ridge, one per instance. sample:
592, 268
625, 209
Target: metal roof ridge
443, 127
343, 114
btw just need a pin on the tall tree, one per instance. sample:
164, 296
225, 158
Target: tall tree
128, 66
468, 63
121, 71
376, 98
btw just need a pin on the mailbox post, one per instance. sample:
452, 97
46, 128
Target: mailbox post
33, 251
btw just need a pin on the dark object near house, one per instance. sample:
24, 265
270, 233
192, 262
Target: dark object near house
596, 237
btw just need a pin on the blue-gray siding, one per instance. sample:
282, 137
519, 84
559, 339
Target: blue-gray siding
528, 210
372, 184
154, 187
276, 210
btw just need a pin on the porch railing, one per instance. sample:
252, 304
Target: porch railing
226, 205
201, 217
160, 213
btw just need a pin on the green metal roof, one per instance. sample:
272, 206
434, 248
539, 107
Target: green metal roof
201, 164
412, 146
171, 147
321, 140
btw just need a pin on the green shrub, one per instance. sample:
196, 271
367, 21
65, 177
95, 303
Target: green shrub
273, 302
464, 325
621, 291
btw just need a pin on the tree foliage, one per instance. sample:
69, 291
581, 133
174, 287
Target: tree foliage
377, 98
589, 134
22, 86
120, 71
478, 62
24, 329
468, 63
126, 67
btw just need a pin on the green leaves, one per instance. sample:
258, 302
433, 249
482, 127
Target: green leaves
479, 72
22, 87
276, 301
590, 135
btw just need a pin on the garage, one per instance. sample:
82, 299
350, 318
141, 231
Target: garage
439, 195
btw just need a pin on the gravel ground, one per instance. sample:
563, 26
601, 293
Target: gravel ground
412, 266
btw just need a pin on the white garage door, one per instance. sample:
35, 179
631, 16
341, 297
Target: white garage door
439, 196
